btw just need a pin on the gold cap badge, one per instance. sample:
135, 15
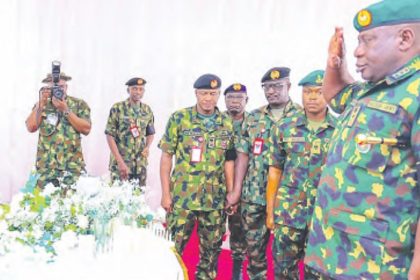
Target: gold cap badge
213, 83
364, 18
275, 74
237, 87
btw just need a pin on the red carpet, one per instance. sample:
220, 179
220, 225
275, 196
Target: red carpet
190, 258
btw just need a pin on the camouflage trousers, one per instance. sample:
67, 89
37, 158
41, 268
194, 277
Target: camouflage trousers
288, 250
237, 236
210, 230
256, 236
56, 177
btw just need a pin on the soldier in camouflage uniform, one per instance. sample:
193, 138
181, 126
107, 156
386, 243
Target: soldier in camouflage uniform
299, 147
368, 202
236, 99
252, 162
129, 133
60, 123
201, 139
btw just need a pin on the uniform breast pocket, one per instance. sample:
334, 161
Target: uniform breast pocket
371, 123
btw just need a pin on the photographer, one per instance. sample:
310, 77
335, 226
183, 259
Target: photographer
60, 119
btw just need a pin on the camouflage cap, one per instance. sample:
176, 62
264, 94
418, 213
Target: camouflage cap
208, 81
276, 73
387, 12
237, 87
63, 76
315, 78
135, 82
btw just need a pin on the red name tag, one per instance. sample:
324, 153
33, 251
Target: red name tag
196, 154
134, 131
258, 145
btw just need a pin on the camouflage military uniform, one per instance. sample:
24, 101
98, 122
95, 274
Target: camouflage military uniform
300, 153
253, 199
59, 155
121, 117
237, 233
368, 203
198, 188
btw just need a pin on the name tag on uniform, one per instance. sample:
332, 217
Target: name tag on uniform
196, 154
258, 146
293, 139
134, 129
382, 106
52, 119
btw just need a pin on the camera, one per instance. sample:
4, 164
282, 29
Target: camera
56, 90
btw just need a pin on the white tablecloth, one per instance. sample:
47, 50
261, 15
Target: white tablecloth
136, 254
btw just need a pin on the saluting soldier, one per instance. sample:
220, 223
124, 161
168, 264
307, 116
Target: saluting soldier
368, 203
236, 98
129, 133
299, 146
61, 122
201, 140
251, 166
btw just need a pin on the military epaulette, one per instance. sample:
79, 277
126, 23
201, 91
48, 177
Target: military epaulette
404, 72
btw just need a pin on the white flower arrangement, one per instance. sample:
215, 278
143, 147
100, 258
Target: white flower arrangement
40, 218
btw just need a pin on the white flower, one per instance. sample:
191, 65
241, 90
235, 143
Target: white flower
82, 221
49, 189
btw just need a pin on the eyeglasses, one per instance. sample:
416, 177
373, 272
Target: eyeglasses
274, 86
235, 97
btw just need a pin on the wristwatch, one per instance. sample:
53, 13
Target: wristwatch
67, 112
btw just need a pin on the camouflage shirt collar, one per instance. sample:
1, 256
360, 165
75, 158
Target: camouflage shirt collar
328, 122
288, 107
196, 119
405, 71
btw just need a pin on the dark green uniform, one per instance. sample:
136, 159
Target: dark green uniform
122, 117
368, 201
300, 152
198, 187
59, 155
256, 130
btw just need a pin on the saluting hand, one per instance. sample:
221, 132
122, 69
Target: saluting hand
336, 49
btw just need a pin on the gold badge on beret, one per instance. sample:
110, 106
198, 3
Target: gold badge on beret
213, 83
140, 81
364, 18
275, 74
237, 87
319, 79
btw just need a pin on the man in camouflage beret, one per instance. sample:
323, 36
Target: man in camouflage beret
60, 122
201, 139
129, 133
298, 149
236, 99
367, 209
251, 166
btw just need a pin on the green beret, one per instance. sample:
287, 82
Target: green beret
208, 81
315, 78
276, 73
387, 12
63, 76
135, 82
235, 88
